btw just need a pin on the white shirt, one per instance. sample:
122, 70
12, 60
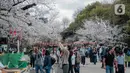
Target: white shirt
100, 50
58, 53
54, 56
73, 59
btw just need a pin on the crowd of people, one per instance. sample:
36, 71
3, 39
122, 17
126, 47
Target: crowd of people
70, 57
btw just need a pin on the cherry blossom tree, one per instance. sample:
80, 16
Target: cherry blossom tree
30, 19
99, 30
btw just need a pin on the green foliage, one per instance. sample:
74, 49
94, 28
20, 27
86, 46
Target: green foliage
127, 28
105, 12
127, 40
90, 11
128, 22
100, 12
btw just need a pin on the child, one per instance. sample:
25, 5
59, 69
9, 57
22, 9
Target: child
120, 63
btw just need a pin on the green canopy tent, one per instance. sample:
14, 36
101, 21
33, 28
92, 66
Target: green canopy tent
13, 60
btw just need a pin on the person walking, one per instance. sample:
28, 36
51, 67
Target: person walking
55, 57
120, 66
90, 55
47, 62
32, 59
102, 54
71, 67
77, 61
82, 52
108, 60
38, 61
70, 59
94, 56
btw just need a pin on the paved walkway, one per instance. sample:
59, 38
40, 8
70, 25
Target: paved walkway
89, 68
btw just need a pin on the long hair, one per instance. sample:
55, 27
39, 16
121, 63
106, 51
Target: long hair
120, 52
47, 53
69, 47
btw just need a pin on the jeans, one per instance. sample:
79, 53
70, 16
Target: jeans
109, 69
39, 67
128, 64
94, 59
71, 69
83, 60
121, 69
77, 68
48, 70
32, 63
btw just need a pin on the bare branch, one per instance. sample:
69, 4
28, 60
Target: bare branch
28, 6
18, 2
4, 15
3, 9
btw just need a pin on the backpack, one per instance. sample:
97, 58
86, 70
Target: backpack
128, 53
103, 52
77, 58
38, 59
52, 60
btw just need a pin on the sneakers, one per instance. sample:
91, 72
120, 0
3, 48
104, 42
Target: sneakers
32, 68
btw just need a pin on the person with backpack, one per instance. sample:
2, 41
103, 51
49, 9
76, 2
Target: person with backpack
77, 61
47, 62
38, 61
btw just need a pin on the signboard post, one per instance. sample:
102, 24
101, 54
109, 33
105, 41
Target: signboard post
18, 46
119, 9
